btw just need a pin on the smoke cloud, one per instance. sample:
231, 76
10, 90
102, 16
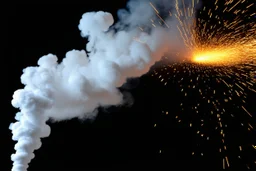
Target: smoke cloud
83, 81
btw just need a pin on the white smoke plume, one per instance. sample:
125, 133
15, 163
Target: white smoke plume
82, 82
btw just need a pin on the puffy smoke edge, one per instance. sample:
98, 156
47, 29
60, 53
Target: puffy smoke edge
82, 82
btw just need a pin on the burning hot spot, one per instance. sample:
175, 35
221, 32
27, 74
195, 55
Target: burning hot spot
220, 55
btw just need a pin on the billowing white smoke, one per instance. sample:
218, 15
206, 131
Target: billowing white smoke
82, 82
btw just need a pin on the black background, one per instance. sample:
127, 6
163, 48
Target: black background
120, 137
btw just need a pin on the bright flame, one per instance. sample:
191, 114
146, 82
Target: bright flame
224, 55
211, 57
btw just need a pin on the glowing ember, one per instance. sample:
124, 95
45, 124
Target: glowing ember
211, 57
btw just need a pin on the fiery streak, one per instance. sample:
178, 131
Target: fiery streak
154, 8
246, 111
227, 161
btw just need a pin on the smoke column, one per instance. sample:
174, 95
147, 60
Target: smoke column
82, 82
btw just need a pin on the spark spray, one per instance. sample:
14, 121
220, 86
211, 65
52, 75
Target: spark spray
222, 51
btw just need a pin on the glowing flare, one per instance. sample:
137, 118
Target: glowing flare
211, 57
222, 55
